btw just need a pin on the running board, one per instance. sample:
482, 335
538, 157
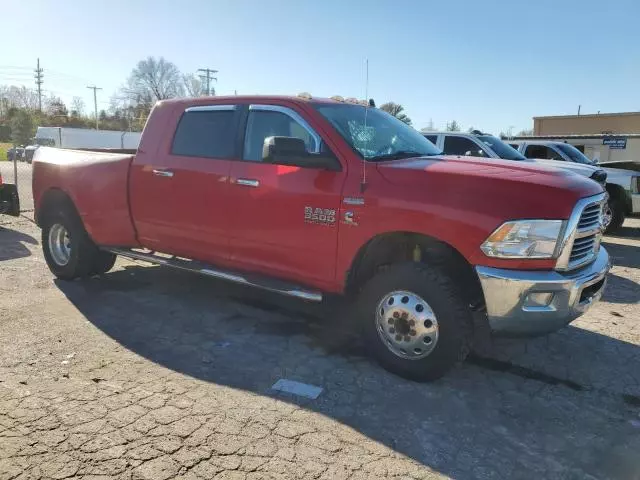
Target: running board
272, 285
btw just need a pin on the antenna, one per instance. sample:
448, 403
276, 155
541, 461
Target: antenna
363, 183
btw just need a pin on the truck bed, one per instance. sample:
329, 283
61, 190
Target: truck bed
98, 184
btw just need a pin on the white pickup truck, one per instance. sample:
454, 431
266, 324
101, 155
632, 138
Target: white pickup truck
479, 144
623, 186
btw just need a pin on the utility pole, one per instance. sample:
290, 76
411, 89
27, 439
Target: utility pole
38, 76
95, 102
207, 76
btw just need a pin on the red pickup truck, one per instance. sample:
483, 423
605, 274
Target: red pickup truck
307, 196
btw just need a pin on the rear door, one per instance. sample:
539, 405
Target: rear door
284, 218
179, 193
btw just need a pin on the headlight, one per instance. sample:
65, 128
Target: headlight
524, 239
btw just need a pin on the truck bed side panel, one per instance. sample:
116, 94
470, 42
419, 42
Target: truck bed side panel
97, 183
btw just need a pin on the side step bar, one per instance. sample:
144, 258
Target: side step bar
264, 283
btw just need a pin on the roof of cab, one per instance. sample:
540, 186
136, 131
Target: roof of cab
187, 102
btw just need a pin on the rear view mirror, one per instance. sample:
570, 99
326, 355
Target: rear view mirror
293, 151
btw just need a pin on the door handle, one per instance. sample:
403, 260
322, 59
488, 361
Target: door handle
248, 182
163, 173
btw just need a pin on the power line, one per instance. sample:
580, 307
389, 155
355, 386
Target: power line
38, 76
95, 101
208, 77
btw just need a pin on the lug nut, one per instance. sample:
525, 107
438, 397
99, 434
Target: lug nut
391, 321
404, 315
412, 333
392, 330
396, 315
412, 322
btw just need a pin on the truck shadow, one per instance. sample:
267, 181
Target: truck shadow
12, 244
514, 417
623, 255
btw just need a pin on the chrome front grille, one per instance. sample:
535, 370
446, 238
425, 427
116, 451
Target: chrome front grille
591, 217
586, 241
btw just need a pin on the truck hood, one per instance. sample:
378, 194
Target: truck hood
579, 168
515, 189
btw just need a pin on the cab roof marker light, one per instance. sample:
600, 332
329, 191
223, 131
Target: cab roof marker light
337, 98
305, 95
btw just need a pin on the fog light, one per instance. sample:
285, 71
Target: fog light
538, 299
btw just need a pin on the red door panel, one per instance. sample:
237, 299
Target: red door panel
268, 228
186, 213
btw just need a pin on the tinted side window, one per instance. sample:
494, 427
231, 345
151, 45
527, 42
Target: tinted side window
542, 151
205, 134
432, 138
263, 124
462, 146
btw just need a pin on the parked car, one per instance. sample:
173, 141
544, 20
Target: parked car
485, 145
307, 197
623, 186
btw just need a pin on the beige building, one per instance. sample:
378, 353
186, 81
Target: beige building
607, 137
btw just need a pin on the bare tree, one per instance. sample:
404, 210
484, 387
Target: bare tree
151, 80
19, 97
55, 107
396, 110
193, 86
453, 126
525, 133
77, 106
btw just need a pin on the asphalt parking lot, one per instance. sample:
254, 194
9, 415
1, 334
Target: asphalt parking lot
153, 373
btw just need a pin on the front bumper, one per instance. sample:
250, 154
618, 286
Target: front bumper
9, 201
512, 309
635, 202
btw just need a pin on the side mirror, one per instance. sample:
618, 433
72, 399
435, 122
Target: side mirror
293, 152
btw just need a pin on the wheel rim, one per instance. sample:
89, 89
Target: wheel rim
59, 244
407, 325
607, 216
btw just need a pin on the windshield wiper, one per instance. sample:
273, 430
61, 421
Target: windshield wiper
399, 154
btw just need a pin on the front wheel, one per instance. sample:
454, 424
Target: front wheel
69, 251
415, 322
613, 215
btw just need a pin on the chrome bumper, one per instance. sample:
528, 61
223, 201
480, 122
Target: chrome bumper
635, 202
512, 309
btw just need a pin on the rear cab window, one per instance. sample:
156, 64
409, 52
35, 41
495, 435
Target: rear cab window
208, 131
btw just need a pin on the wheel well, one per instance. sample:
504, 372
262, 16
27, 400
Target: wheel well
389, 248
53, 201
617, 192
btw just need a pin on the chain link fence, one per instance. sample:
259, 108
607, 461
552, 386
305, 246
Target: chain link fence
18, 172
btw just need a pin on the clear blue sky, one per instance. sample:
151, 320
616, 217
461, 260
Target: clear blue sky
488, 64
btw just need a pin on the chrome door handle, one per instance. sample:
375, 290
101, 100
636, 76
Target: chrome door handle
163, 173
247, 182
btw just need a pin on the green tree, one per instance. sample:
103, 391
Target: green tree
22, 128
396, 110
453, 126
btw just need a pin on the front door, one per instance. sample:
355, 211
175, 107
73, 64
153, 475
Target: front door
179, 194
283, 218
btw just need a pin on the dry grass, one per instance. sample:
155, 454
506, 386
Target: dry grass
3, 151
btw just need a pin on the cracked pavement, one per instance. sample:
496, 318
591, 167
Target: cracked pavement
150, 373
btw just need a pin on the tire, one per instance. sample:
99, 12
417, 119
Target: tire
451, 331
618, 216
83, 255
103, 262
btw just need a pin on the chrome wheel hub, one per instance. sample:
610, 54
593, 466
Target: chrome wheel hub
607, 216
59, 244
407, 325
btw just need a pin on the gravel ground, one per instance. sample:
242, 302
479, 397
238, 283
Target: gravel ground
153, 373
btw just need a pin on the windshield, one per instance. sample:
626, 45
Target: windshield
574, 154
384, 137
502, 149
